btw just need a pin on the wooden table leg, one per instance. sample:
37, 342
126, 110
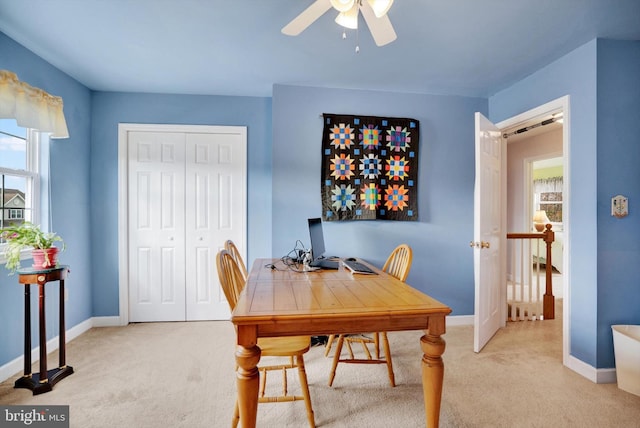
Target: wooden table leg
62, 340
433, 371
248, 376
43, 335
27, 331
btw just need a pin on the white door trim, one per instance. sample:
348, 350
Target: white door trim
123, 209
561, 103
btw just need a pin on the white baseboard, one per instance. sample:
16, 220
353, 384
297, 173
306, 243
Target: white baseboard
460, 320
606, 376
593, 374
106, 321
17, 365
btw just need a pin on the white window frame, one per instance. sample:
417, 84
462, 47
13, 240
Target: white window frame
32, 171
16, 213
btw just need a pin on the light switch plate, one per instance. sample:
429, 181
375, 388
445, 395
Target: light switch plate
619, 206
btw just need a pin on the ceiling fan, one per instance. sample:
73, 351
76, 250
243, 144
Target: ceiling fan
373, 11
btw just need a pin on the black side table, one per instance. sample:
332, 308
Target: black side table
45, 380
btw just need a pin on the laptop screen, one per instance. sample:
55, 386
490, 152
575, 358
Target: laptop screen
317, 238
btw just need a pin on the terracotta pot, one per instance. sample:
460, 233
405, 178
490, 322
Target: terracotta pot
45, 259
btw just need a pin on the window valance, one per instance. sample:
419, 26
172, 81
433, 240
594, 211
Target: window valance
31, 107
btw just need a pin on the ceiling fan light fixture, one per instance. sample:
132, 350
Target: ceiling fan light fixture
380, 7
342, 5
348, 19
349, 11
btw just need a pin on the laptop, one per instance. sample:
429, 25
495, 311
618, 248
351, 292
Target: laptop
317, 246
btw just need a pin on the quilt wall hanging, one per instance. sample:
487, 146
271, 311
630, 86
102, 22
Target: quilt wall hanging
369, 168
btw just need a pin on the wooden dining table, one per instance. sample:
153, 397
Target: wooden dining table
282, 301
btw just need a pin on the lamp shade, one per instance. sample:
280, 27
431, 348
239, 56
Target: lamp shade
342, 5
348, 19
540, 219
380, 7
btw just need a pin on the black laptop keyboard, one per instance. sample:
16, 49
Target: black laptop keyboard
357, 267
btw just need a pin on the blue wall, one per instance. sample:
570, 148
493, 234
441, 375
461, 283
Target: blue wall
284, 168
443, 263
69, 167
618, 174
601, 80
573, 75
109, 109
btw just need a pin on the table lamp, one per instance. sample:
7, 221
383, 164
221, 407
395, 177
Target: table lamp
540, 219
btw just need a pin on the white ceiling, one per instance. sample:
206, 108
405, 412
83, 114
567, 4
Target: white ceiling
233, 47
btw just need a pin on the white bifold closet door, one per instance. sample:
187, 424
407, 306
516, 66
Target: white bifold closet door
186, 197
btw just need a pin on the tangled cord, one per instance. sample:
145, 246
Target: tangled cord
292, 260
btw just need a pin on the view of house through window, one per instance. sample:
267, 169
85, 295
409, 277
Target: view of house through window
551, 203
18, 173
547, 189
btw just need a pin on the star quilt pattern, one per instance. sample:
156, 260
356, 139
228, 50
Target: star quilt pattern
369, 168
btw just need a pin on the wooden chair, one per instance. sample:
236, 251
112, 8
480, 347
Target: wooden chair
294, 347
233, 250
399, 261
230, 277
397, 265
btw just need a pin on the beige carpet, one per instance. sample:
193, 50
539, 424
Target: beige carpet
181, 375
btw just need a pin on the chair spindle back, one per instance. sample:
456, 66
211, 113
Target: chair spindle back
399, 261
230, 277
233, 250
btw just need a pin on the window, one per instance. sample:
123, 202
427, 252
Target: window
551, 203
16, 214
19, 174
547, 189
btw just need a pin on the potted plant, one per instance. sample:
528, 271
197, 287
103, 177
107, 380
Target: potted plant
29, 235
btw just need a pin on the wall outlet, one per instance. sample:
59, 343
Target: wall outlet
66, 294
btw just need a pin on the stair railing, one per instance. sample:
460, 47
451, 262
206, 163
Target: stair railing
525, 297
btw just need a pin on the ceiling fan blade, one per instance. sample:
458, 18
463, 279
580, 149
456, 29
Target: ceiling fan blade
307, 17
381, 29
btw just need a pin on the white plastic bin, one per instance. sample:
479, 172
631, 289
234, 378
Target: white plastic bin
626, 346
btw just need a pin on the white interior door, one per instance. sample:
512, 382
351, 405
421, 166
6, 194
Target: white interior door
156, 226
215, 183
186, 197
489, 241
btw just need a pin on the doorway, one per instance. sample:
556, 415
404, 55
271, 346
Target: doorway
182, 194
521, 199
545, 185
